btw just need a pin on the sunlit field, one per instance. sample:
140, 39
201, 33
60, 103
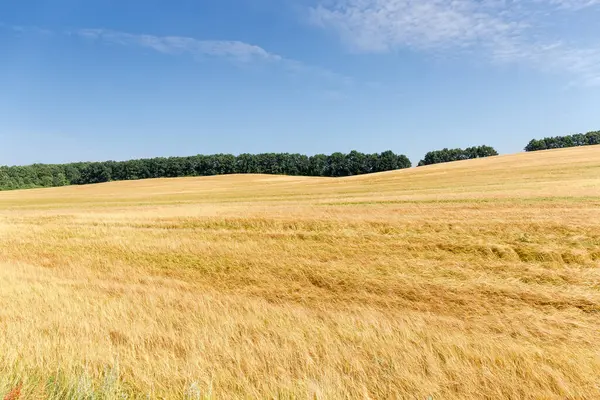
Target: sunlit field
469, 280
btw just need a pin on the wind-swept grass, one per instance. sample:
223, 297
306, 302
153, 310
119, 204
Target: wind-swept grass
476, 279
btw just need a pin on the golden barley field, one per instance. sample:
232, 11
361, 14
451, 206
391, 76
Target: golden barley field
471, 280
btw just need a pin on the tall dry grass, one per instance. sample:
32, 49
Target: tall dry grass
477, 279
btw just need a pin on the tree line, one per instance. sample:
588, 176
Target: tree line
559, 142
448, 155
334, 165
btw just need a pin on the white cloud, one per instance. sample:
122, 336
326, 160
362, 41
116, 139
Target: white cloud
501, 30
572, 4
235, 50
583, 64
26, 29
380, 25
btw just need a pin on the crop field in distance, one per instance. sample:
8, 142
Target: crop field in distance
470, 280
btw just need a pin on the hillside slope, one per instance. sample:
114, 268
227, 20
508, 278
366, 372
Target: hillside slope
480, 177
474, 279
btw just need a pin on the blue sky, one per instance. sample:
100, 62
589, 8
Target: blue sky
108, 79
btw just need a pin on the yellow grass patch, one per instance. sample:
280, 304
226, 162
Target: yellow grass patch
476, 279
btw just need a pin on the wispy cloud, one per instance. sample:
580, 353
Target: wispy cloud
501, 30
572, 4
26, 29
380, 25
235, 51
583, 64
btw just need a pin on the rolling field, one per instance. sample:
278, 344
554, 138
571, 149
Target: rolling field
470, 280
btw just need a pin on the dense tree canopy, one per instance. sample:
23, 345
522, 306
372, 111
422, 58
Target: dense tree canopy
448, 155
334, 165
559, 142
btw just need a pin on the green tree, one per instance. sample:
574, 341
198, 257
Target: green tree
559, 142
336, 164
449, 155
